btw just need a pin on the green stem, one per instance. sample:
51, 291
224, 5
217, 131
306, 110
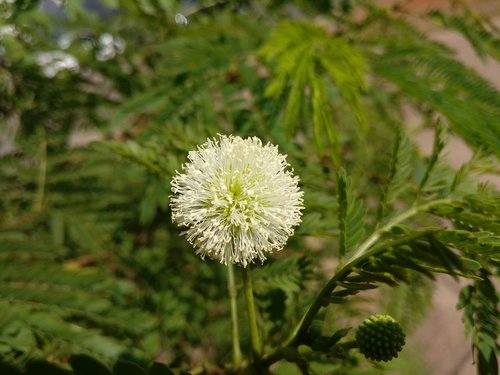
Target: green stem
252, 316
231, 287
364, 251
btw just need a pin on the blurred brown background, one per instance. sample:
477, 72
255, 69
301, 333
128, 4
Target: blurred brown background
441, 337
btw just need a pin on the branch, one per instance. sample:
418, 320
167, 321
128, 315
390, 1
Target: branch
365, 250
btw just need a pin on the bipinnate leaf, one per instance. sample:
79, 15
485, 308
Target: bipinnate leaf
309, 65
427, 72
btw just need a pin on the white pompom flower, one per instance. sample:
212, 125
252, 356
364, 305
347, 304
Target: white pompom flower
237, 198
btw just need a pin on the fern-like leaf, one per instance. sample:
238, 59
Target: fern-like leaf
479, 302
307, 62
145, 155
427, 72
287, 274
408, 303
78, 309
351, 215
400, 170
437, 148
485, 42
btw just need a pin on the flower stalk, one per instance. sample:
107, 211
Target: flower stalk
252, 316
231, 287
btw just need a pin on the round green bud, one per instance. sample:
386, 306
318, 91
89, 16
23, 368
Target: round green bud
380, 338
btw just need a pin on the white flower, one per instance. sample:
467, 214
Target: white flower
237, 199
55, 61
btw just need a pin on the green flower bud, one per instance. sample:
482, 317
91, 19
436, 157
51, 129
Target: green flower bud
380, 338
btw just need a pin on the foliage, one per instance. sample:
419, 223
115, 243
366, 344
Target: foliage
480, 303
91, 268
85, 365
305, 55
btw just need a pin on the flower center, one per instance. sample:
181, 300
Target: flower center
239, 203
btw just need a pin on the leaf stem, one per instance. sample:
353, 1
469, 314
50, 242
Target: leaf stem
252, 316
231, 287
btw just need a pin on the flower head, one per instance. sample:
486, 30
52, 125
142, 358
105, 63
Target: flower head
380, 338
237, 199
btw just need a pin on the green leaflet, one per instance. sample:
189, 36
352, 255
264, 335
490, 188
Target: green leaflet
477, 212
438, 145
351, 215
399, 172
